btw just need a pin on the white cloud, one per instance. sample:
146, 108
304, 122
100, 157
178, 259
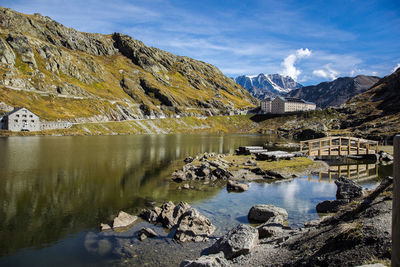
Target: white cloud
395, 68
326, 73
288, 63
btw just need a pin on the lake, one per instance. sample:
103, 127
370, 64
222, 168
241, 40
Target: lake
55, 191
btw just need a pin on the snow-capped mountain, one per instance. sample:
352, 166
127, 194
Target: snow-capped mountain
264, 85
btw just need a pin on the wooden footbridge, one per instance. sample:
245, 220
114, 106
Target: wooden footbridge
338, 146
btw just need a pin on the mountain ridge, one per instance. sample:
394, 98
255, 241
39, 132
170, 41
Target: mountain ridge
267, 85
63, 74
335, 92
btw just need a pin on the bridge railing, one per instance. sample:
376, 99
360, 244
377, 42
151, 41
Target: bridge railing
339, 145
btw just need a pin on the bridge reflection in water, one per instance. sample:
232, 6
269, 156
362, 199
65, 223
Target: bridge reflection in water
357, 172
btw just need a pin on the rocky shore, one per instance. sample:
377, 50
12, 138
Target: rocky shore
358, 233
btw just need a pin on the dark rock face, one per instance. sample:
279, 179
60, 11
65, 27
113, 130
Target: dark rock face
347, 189
240, 240
335, 93
331, 205
267, 213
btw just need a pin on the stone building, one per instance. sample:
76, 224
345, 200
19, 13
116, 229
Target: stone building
281, 105
20, 119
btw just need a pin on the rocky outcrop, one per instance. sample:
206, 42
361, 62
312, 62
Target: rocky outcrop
238, 241
267, 213
189, 223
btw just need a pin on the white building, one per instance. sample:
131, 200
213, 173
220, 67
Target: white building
281, 105
20, 119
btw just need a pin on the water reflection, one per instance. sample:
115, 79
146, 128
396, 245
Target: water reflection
54, 186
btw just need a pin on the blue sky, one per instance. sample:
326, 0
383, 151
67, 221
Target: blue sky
311, 41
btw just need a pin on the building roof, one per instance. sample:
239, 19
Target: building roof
17, 109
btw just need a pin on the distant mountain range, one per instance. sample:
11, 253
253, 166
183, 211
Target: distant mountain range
265, 85
336, 92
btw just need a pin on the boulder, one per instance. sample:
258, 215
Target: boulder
193, 226
222, 173
203, 171
151, 215
328, 206
235, 186
271, 230
347, 189
267, 213
104, 227
188, 160
179, 176
123, 220
238, 241
170, 213
215, 260
145, 233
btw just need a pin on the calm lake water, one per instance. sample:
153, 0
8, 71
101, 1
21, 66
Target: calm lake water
55, 191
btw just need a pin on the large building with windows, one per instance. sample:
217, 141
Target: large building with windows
20, 119
281, 105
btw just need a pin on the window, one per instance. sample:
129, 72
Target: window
24, 115
23, 120
30, 116
16, 120
17, 115
32, 120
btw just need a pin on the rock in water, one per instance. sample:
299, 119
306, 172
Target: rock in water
123, 220
238, 241
104, 227
331, 205
347, 189
234, 186
193, 226
267, 213
145, 233
216, 260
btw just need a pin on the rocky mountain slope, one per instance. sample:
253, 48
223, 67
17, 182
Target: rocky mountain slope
264, 85
62, 74
336, 92
376, 111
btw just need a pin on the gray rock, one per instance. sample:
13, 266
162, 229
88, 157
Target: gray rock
222, 173
347, 189
151, 215
104, 227
193, 226
238, 241
267, 213
21, 44
215, 260
188, 160
7, 55
331, 205
235, 186
123, 220
271, 230
145, 233
170, 213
